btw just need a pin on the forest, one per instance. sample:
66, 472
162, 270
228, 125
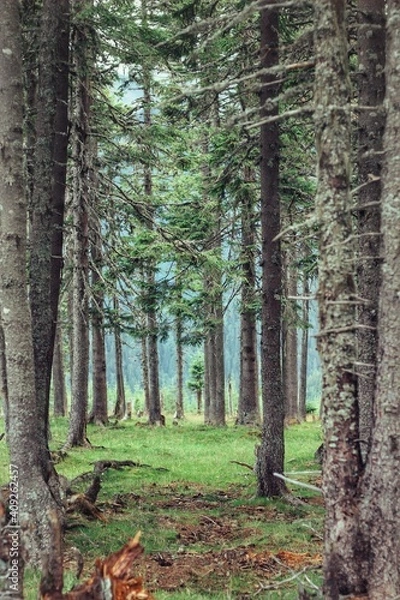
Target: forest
199, 248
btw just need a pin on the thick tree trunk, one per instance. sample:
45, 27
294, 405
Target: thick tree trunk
382, 485
248, 408
120, 403
59, 389
344, 552
48, 194
80, 210
35, 504
371, 86
270, 456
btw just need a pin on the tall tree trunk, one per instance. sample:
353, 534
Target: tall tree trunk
48, 195
270, 456
207, 380
304, 350
371, 86
120, 403
145, 374
152, 322
219, 361
36, 504
336, 297
179, 409
154, 382
214, 343
3, 377
380, 494
80, 206
289, 345
248, 408
99, 413
59, 389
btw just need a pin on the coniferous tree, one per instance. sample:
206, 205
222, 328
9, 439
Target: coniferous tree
80, 202
270, 456
40, 544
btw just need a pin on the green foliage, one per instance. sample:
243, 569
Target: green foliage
196, 381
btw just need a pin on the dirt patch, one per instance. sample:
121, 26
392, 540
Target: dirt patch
212, 570
207, 530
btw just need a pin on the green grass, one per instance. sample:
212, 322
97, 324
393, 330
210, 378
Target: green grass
192, 487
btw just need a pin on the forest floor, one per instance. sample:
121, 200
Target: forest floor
191, 492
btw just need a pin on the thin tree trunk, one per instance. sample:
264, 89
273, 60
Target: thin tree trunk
179, 409
120, 404
219, 362
304, 351
248, 408
99, 413
270, 455
371, 86
211, 378
290, 349
344, 552
60, 392
207, 390
3, 378
154, 382
198, 401
145, 374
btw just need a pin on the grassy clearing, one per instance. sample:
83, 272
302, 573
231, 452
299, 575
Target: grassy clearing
204, 532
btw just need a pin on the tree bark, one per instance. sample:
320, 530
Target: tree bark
35, 501
304, 351
344, 552
154, 382
380, 492
60, 392
48, 195
99, 413
371, 88
145, 373
3, 377
120, 404
248, 407
80, 206
290, 345
207, 380
270, 456
179, 409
